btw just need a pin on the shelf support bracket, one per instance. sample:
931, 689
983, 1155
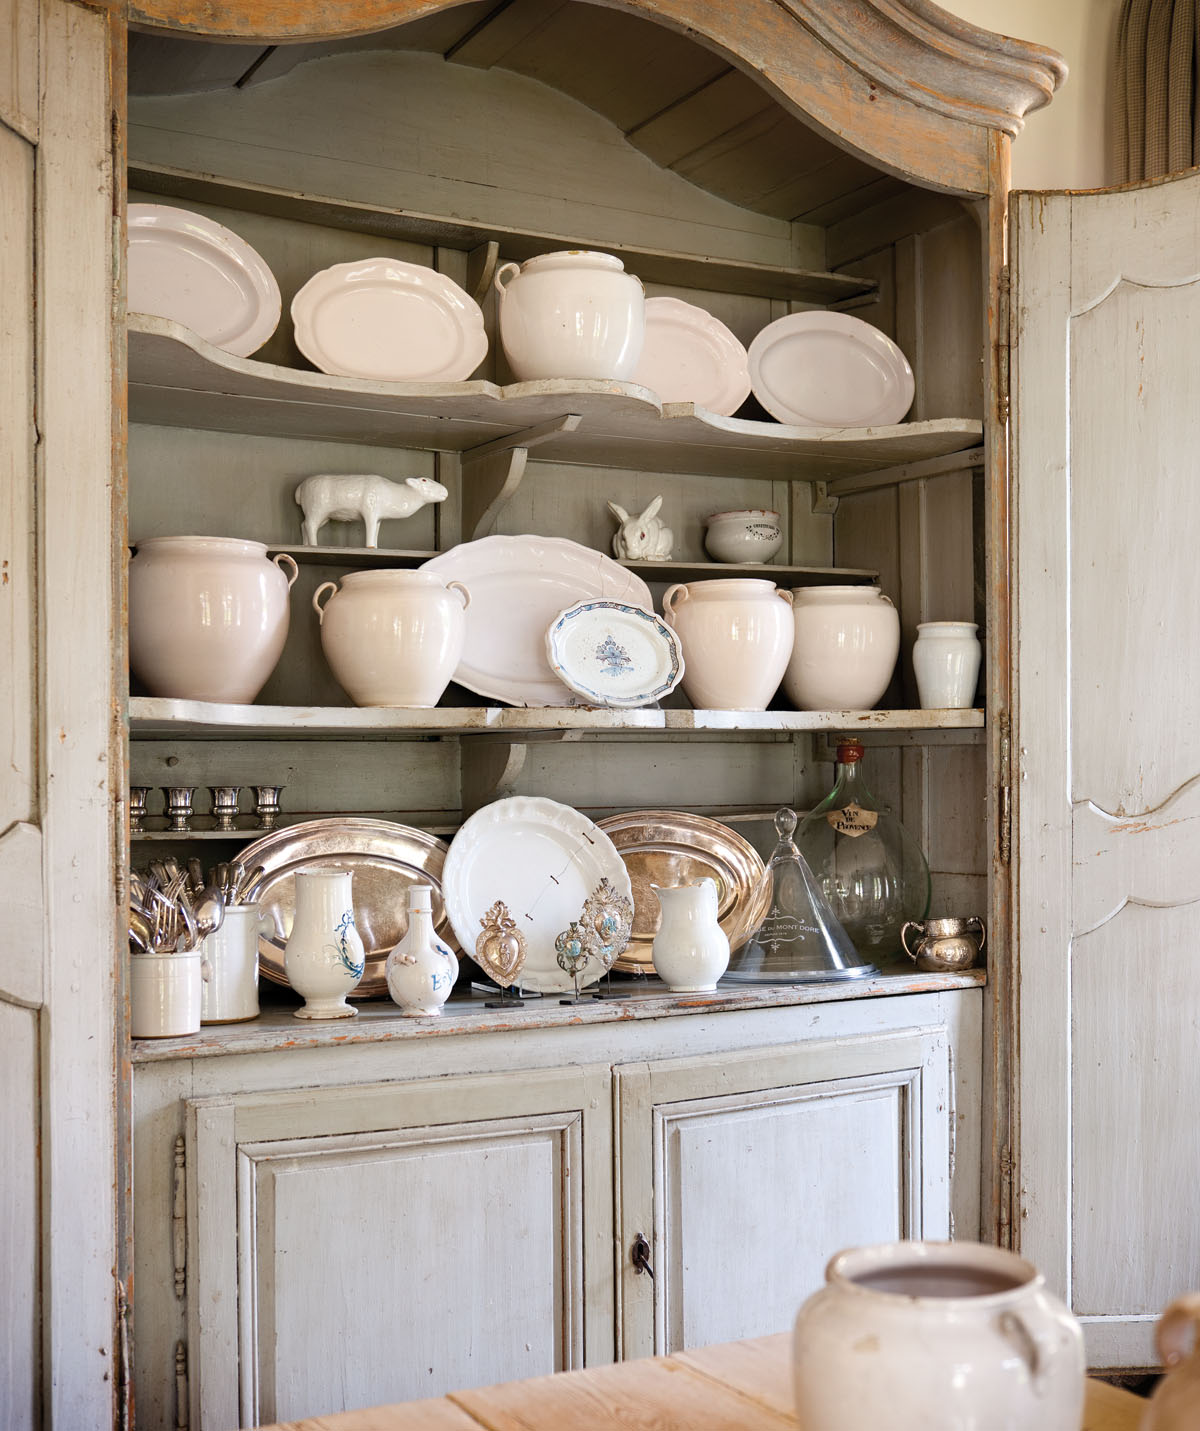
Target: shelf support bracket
824, 504
492, 472
481, 269
489, 771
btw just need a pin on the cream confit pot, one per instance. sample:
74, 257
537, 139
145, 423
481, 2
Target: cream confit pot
736, 636
847, 641
946, 659
1175, 1405
393, 638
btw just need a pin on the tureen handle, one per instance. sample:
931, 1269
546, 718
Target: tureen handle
503, 274
464, 594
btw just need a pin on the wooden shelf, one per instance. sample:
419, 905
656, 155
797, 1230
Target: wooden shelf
154, 716
176, 379
651, 265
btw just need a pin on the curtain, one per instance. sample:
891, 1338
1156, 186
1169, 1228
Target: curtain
1156, 118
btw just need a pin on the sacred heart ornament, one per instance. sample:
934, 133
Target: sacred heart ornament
606, 923
500, 947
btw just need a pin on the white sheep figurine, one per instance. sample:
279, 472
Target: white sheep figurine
641, 538
343, 498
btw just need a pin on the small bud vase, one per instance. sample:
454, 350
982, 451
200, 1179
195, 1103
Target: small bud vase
420, 970
324, 956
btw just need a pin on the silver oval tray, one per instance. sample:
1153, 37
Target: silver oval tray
384, 858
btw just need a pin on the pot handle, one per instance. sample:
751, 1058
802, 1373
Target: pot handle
1038, 1348
978, 923
1178, 1332
266, 924
503, 273
466, 601
883, 596
281, 557
911, 924
784, 594
317, 607
671, 595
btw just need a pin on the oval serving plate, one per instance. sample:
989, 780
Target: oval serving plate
690, 356
822, 369
385, 859
614, 654
669, 847
388, 320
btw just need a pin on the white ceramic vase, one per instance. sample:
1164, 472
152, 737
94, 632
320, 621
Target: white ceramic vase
165, 994
230, 993
847, 641
691, 950
936, 1336
1175, 1405
324, 957
393, 638
736, 635
946, 658
208, 617
744, 536
573, 314
420, 970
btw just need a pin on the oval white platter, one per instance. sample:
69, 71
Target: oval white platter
614, 654
518, 585
543, 859
189, 268
690, 356
392, 321
830, 370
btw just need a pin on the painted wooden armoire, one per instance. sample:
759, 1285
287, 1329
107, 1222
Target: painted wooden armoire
265, 1221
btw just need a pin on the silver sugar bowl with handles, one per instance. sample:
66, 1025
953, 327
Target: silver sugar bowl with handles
944, 946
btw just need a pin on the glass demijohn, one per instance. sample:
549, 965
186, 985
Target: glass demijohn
799, 939
870, 869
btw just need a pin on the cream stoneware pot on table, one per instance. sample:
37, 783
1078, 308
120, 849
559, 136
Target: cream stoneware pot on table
691, 950
936, 1336
165, 993
847, 641
736, 635
1175, 1405
572, 314
208, 617
230, 993
393, 638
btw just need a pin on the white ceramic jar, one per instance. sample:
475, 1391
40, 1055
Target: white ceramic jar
324, 958
690, 950
573, 314
208, 617
936, 1336
393, 638
736, 635
230, 993
750, 535
1175, 1405
165, 993
847, 641
946, 660
420, 970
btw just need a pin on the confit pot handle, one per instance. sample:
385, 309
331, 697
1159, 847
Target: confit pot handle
281, 557
316, 599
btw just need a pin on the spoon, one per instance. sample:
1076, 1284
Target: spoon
210, 910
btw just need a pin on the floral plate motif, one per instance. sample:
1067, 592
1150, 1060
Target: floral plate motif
614, 654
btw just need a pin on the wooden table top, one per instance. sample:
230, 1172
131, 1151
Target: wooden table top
738, 1386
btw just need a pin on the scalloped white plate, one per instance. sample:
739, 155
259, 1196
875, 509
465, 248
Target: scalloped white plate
690, 356
391, 321
614, 654
543, 860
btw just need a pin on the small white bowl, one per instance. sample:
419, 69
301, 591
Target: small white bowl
746, 536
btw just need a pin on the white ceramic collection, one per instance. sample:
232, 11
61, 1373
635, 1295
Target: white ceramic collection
208, 617
543, 860
1175, 1404
420, 970
572, 314
230, 992
518, 586
737, 637
324, 957
929, 1336
165, 994
365, 497
690, 356
819, 369
644, 537
614, 654
195, 271
946, 660
384, 319
690, 950
847, 641
753, 534
393, 638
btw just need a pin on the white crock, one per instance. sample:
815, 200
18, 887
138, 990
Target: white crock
420, 970
936, 1336
946, 659
393, 638
1175, 1405
231, 989
573, 314
847, 641
165, 994
691, 950
736, 636
208, 617
324, 957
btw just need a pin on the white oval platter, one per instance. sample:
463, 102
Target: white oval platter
543, 859
614, 654
392, 321
189, 268
690, 356
830, 370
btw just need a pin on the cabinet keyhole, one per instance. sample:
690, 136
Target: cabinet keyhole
640, 1254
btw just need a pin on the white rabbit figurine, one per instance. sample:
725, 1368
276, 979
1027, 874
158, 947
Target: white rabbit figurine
641, 538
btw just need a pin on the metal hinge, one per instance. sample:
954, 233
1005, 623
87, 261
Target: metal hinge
953, 1130
124, 1369
1003, 342
179, 1217
1004, 792
1004, 1228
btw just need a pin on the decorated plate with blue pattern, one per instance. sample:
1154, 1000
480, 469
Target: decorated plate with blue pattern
614, 654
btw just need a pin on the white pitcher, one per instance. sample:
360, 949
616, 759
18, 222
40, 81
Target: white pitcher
420, 970
691, 950
324, 957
